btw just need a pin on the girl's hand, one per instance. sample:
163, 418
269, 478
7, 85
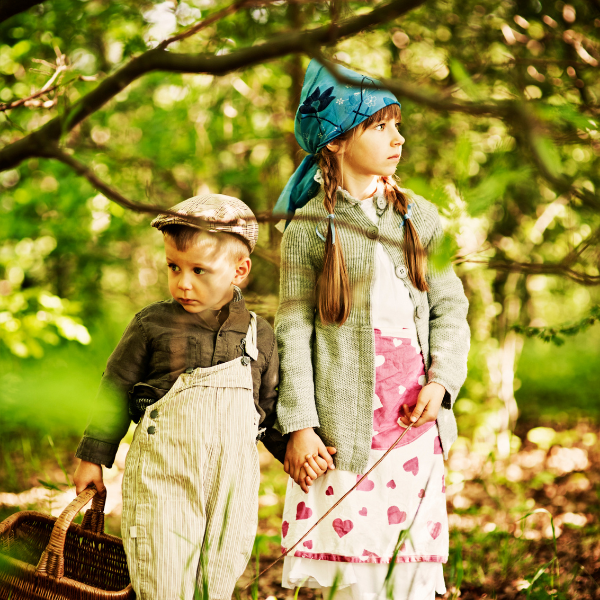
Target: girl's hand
86, 474
427, 407
303, 443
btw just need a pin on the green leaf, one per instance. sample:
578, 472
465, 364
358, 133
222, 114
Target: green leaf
444, 252
462, 77
491, 189
134, 45
462, 157
548, 153
49, 486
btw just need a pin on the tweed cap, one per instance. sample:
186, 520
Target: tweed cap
222, 213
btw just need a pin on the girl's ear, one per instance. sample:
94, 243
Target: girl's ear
335, 147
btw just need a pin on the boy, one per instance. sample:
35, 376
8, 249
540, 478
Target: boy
200, 373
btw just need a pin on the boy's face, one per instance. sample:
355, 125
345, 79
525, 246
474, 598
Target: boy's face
203, 275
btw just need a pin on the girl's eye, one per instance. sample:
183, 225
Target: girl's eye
398, 126
379, 127
198, 271
173, 267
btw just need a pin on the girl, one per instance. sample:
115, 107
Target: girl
371, 340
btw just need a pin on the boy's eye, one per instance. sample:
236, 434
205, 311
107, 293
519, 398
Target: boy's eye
173, 267
398, 125
198, 271
380, 126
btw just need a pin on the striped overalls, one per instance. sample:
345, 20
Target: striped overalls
190, 490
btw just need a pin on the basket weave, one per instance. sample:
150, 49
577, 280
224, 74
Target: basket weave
48, 558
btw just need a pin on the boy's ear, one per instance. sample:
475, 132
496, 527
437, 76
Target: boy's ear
242, 270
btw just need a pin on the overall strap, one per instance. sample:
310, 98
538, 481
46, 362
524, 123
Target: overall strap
251, 338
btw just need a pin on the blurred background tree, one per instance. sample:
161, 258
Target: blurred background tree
109, 109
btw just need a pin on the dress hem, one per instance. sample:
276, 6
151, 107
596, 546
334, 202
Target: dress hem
367, 559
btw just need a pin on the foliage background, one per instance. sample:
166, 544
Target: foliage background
500, 106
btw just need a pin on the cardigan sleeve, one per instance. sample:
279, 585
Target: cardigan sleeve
449, 335
294, 328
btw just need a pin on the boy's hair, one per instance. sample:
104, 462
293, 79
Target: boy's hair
184, 236
334, 295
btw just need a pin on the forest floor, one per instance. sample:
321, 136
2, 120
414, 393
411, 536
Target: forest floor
502, 512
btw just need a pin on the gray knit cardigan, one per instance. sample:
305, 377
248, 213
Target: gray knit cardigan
327, 372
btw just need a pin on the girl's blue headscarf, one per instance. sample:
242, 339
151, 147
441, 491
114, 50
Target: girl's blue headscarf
327, 109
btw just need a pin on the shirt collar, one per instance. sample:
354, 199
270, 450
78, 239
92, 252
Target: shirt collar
237, 320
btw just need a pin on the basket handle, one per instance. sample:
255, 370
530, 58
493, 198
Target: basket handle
52, 561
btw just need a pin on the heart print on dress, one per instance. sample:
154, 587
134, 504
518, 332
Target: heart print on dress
365, 485
435, 528
303, 511
342, 527
412, 465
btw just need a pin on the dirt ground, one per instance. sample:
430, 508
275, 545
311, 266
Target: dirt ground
502, 512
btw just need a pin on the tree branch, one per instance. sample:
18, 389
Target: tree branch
221, 14
112, 194
514, 111
10, 8
559, 268
563, 268
161, 60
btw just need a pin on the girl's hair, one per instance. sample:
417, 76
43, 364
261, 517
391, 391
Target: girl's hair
334, 294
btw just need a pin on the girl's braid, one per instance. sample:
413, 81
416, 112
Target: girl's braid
415, 256
334, 295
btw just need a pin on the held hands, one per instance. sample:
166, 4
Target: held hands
427, 407
307, 458
86, 474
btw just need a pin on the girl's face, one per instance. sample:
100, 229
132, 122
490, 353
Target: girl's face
373, 152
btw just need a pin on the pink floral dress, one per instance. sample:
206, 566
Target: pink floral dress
403, 499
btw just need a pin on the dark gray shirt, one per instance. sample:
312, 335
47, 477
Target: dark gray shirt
160, 343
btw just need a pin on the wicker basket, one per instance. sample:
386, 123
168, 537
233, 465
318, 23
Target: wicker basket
44, 558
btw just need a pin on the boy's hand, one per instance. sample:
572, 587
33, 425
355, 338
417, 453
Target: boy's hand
86, 474
427, 407
303, 443
315, 466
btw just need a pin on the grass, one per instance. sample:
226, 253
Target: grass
494, 553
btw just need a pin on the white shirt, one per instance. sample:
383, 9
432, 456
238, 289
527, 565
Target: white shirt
392, 310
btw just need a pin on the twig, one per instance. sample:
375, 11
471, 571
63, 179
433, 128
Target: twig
60, 68
538, 269
508, 110
561, 268
331, 509
552, 334
24, 101
232, 8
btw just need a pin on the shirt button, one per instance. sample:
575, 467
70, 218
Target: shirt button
372, 232
154, 414
401, 272
151, 429
381, 202
189, 370
245, 360
420, 312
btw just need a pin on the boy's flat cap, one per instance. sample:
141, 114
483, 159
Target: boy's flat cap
221, 213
